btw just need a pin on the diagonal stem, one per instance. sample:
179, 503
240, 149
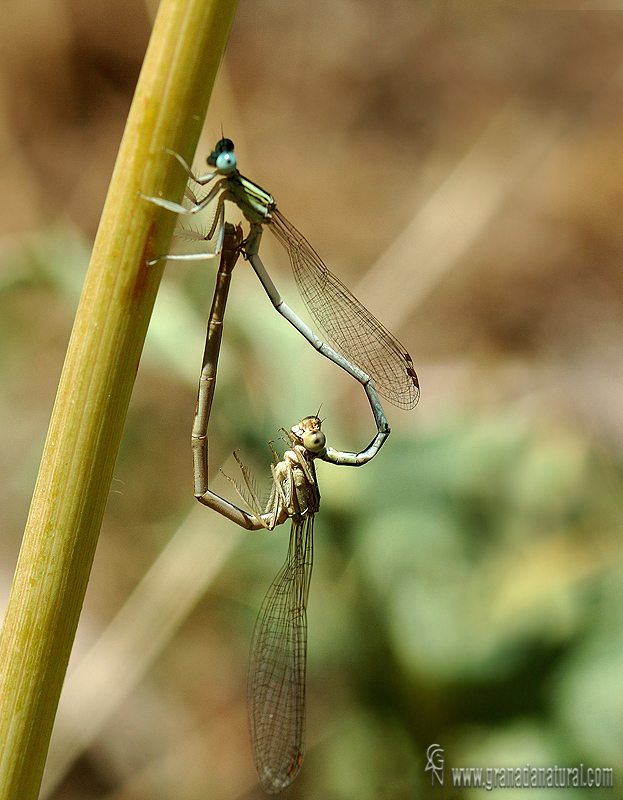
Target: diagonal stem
169, 106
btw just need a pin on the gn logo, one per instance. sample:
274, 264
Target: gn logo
434, 763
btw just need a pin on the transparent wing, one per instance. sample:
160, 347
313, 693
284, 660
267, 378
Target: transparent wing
276, 686
348, 325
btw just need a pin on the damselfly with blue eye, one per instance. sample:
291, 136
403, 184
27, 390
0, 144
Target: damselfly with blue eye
363, 346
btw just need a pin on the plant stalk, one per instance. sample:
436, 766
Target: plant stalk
168, 110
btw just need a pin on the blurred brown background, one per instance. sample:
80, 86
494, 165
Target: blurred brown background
459, 166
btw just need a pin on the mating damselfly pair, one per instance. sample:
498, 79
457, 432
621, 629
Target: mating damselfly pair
364, 349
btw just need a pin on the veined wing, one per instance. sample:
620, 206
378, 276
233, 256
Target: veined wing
276, 686
348, 325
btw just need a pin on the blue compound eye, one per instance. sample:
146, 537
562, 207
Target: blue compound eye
225, 162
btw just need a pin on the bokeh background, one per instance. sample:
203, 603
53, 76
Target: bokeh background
459, 166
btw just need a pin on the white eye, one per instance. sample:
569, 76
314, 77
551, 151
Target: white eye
225, 162
314, 441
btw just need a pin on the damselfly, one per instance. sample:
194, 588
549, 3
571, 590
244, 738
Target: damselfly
364, 347
276, 683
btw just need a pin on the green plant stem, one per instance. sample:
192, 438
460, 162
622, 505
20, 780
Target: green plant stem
55, 560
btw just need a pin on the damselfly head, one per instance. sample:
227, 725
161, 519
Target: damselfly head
309, 434
222, 146
223, 158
